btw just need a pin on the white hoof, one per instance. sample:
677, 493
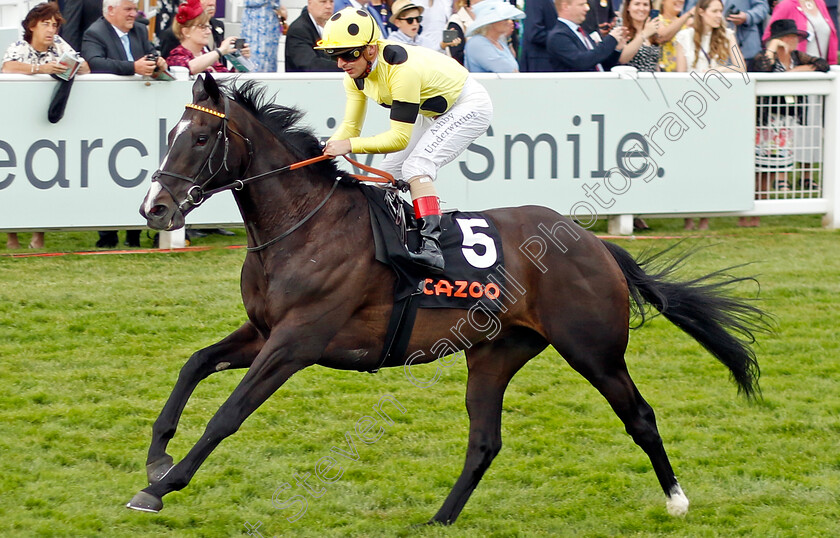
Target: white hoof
677, 503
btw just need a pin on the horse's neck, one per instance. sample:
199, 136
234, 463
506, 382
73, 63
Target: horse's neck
273, 205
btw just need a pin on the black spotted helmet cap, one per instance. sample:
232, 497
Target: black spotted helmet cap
348, 29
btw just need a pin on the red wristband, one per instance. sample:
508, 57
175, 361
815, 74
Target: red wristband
426, 205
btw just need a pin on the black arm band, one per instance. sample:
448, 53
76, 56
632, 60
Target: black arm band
404, 112
221, 58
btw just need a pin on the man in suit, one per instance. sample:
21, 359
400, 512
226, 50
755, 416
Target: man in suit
168, 41
78, 16
365, 6
540, 18
571, 48
304, 34
116, 44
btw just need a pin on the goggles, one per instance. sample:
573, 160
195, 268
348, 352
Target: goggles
348, 55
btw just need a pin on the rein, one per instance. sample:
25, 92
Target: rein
196, 195
385, 177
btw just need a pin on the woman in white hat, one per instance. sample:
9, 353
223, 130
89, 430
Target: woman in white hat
487, 49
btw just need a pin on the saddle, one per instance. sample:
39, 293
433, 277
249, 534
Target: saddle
472, 250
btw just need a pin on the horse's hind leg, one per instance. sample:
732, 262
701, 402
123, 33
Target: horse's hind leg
612, 379
491, 366
235, 351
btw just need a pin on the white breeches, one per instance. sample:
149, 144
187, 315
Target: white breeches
436, 142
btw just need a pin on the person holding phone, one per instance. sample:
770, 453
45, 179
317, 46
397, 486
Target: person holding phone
570, 48
406, 17
436, 15
436, 111
461, 19
192, 28
642, 50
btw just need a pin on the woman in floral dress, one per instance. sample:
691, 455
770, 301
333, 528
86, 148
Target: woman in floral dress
261, 28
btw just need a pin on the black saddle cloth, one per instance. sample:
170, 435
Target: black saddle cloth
472, 251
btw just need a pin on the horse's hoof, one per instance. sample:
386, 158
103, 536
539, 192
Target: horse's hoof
145, 502
159, 468
677, 503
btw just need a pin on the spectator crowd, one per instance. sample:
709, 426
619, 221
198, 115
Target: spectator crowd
112, 36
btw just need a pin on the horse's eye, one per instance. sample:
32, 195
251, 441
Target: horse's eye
201, 140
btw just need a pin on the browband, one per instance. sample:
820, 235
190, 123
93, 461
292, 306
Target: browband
205, 109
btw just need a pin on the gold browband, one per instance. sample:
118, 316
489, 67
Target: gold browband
205, 109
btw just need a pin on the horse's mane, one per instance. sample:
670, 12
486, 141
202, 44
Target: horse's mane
282, 121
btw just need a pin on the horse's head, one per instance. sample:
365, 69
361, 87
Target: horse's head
206, 154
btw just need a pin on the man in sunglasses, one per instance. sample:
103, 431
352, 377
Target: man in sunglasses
436, 111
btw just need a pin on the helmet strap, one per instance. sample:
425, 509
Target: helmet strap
369, 64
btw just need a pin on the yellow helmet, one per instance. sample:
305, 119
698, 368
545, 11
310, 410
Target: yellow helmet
347, 29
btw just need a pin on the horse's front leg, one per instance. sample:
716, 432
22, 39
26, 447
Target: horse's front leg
278, 360
238, 350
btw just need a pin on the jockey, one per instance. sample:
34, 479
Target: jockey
436, 111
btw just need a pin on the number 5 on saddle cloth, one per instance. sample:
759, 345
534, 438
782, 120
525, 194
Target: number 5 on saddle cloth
472, 250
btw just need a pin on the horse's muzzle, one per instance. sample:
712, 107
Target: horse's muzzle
160, 210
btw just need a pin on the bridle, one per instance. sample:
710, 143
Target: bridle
196, 195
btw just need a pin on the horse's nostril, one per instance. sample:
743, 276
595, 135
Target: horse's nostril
158, 210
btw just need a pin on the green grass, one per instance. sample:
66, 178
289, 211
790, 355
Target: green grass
90, 347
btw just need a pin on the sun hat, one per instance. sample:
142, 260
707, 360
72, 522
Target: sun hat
783, 27
490, 11
402, 5
188, 11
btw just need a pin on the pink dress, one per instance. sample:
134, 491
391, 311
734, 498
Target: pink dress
181, 56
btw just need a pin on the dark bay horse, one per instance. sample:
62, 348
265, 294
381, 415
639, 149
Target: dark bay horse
314, 294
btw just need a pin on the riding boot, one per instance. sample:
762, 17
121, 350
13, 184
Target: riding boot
429, 255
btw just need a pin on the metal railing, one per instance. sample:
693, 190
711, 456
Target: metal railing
808, 183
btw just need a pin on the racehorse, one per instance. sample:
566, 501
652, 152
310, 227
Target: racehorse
314, 296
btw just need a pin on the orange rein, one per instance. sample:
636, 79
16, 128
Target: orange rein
384, 177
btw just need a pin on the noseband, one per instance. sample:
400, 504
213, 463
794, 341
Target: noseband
196, 195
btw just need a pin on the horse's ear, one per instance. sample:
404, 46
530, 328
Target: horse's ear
199, 94
205, 87
212, 88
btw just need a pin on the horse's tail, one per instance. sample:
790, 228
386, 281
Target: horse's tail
702, 307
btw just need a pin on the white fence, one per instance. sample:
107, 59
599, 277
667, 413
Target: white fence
590, 145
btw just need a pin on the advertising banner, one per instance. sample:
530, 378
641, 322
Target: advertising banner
584, 145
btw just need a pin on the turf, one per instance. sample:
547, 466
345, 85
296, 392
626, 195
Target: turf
91, 346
